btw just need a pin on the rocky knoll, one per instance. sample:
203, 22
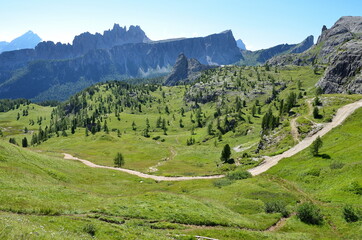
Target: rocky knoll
117, 54
340, 49
185, 70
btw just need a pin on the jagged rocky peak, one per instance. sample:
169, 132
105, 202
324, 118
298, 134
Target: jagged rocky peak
185, 70
110, 38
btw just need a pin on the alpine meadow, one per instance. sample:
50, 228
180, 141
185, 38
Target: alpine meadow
117, 136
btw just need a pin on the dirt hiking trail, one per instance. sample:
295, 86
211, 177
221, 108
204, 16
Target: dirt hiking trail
268, 162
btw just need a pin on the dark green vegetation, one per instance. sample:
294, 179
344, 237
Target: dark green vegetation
152, 126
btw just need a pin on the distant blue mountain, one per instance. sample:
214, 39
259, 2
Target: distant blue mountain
241, 44
27, 40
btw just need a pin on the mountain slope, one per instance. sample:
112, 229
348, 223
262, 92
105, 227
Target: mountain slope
27, 40
261, 56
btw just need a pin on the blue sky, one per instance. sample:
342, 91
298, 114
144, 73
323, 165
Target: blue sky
259, 23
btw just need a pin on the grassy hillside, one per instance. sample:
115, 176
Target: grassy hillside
44, 196
62, 199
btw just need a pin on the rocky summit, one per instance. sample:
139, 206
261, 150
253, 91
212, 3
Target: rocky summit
185, 70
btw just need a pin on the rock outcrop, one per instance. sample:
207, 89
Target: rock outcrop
185, 70
344, 72
115, 55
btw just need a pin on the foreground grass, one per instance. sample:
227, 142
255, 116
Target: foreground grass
55, 198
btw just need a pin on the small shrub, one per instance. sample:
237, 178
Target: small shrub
156, 138
238, 175
227, 167
350, 214
90, 229
276, 207
309, 213
222, 182
48, 211
336, 165
313, 172
355, 188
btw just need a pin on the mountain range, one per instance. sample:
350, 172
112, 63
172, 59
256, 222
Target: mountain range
261, 56
117, 54
27, 40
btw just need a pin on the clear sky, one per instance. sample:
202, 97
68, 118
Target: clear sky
259, 23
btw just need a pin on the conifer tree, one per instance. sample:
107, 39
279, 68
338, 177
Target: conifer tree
225, 154
119, 160
24, 142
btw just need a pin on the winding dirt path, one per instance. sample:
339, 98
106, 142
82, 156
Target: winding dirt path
140, 174
268, 162
340, 116
294, 129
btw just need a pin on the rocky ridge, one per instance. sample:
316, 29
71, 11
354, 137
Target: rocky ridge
262, 56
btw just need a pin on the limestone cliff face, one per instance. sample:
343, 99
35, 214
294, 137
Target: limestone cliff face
344, 72
117, 54
341, 48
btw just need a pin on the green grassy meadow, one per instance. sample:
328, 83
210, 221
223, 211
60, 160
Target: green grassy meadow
44, 196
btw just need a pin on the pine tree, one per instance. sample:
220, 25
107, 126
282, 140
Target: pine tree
181, 124
316, 112
225, 154
34, 139
119, 160
24, 142
210, 130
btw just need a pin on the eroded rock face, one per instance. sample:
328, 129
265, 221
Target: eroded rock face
185, 70
344, 72
344, 30
342, 50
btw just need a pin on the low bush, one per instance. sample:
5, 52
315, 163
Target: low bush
90, 229
336, 165
238, 175
350, 214
276, 207
309, 213
222, 182
355, 188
